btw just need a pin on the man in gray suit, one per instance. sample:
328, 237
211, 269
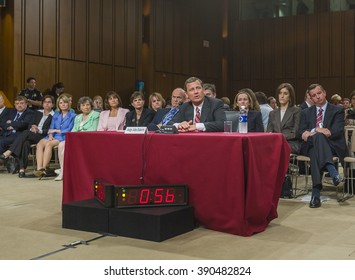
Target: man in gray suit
201, 113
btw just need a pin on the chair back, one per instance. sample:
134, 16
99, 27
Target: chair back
234, 117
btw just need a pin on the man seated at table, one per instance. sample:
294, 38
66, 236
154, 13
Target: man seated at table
201, 113
322, 131
165, 115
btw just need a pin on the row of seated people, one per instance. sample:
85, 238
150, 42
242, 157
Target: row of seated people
321, 134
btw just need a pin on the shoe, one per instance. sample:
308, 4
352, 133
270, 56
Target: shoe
59, 178
2, 157
315, 202
337, 180
22, 174
39, 173
58, 171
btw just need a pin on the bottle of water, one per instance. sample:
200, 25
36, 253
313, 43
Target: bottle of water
243, 120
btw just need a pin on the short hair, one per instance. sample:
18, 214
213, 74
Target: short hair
20, 98
112, 94
48, 96
261, 97
291, 90
335, 97
313, 86
137, 94
191, 80
346, 99
66, 99
82, 100
30, 78
211, 87
158, 96
226, 100
57, 85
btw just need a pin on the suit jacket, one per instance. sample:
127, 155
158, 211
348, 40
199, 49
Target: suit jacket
158, 118
255, 121
3, 116
146, 117
120, 119
333, 120
19, 125
288, 126
63, 124
37, 116
90, 123
212, 114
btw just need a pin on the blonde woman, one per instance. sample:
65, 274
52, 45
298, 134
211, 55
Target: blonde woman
156, 101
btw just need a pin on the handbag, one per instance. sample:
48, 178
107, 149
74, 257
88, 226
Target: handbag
12, 165
286, 191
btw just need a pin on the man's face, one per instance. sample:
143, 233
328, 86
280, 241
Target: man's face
195, 92
48, 104
176, 97
209, 93
20, 105
318, 96
31, 84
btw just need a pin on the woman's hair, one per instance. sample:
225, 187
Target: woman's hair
291, 90
48, 96
98, 97
82, 100
235, 104
66, 99
137, 94
158, 96
112, 94
252, 105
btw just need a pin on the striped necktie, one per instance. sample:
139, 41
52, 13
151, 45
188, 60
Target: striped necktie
319, 117
197, 115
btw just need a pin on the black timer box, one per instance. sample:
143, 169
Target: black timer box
152, 223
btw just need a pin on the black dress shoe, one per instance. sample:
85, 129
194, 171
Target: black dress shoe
337, 180
315, 202
21, 174
3, 157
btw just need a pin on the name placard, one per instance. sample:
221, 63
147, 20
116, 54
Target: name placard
136, 130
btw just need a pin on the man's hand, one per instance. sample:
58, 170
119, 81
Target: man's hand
186, 126
325, 131
307, 134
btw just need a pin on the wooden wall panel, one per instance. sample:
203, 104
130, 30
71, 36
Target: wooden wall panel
268, 49
163, 83
124, 83
94, 30
100, 79
300, 44
32, 27
336, 60
289, 47
133, 32
279, 49
107, 32
255, 50
42, 68
324, 46
313, 47
349, 43
65, 29
80, 30
119, 38
73, 74
49, 28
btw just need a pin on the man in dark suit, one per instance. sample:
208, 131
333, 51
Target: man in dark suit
16, 122
322, 131
307, 102
37, 129
3, 111
201, 113
165, 115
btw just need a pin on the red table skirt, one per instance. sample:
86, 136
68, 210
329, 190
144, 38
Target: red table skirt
234, 179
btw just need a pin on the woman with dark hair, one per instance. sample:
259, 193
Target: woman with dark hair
140, 116
113, 118
86, 121
286, 118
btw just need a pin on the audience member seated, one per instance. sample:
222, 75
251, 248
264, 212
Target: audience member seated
86, 121
265, 108
336, 99
37, 129
226, 103
255, 122
200, 113
255, 104
350, 112
156, 101
98, 103
165, 115
307, 102
286, 118
14, 124
114, 117
322, 131
272, 102
62, 122
34, 96
56, 91
140, 116
209, 90
3, 111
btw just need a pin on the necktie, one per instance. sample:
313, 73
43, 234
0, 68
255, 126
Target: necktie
169, 116
17, 117
319, 117
197, 115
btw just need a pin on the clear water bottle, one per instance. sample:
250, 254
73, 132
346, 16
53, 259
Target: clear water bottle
243, 120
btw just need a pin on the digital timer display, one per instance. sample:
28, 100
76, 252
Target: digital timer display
104, 192
153, 195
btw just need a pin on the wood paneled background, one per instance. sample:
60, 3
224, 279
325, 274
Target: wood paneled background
94, 46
